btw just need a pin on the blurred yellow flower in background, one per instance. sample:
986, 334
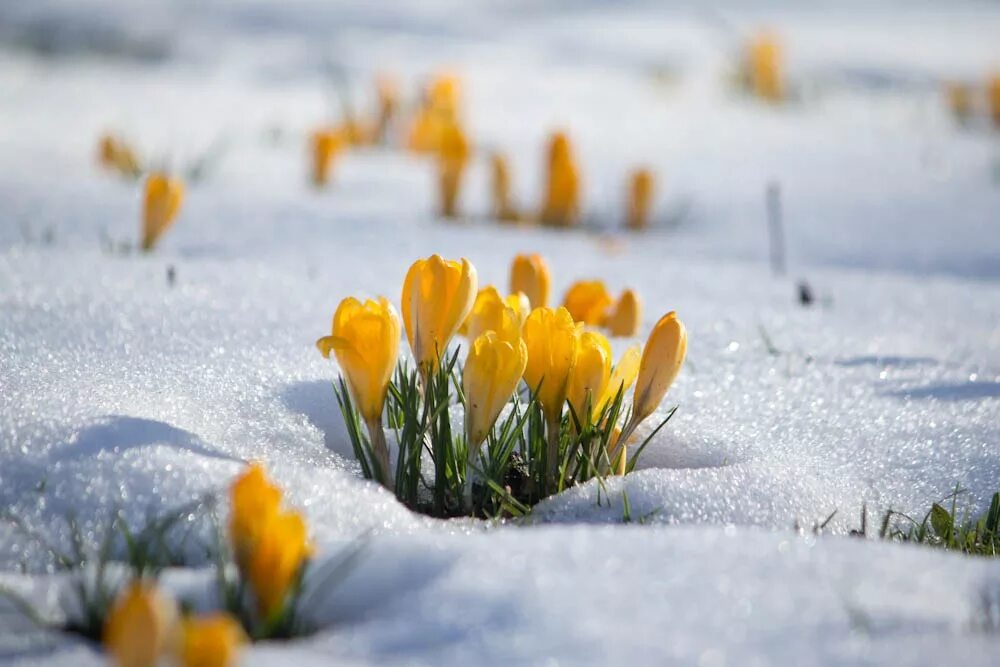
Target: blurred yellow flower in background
561, 206
640, 199
588, 301
529, 275
453, 155
626, 316
503, 207
324, 145
161, 203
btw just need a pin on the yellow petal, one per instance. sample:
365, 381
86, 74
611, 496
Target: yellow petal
529, 274
552, 339
140, 626
214, 640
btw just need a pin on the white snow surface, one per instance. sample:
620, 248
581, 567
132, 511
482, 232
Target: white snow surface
120, 391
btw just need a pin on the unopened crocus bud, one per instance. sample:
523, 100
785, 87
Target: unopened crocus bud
625, 317
766, 79
662, 358
114, 153
529, 274
443, 94
553, 340
590, 375
214, 640
503, 208
588, 301
140, 627
453, 155
640, 199
325, 145
161, 203
562, 186
993, 96
491, 312
492, 370
437, 297
622, 377
253, 501
277, 560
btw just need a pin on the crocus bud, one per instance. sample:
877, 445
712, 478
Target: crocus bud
253, 501
993, 94
276, 561
562, 188
553, 340
765, 68
529, 274
365, 340
590, 375
443, 94
114, 153
324, 147
161, 203
491, 312
626, 316
214, 640
453, 155
588, 301
493, 368
503, 208
622, 377
662, 359
140, 627
437, 297
640, 198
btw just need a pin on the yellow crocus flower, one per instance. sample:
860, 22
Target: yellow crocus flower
588, 301
277, 560
493, 368
590, 375
115, 153
993, 95
553, 340
324, 147
503, 208
214, 640
161, 203
365, 340
491, 312
443, 94
640, 198
626, 316
140, 627
562, 187
253, 501
437, 297
529, 274
765, 68
662, 358
453, 155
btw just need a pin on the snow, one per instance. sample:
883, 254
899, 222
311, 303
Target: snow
120, 391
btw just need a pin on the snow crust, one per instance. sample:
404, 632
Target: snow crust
120, 391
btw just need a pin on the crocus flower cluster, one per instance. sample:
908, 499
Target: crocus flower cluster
511, 337
589, 301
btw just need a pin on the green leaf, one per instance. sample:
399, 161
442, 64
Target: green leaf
941, 522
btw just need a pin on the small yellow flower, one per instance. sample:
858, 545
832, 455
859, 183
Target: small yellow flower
114, 153
993, 94
253, 501
588, 301
562, 189
140, 627
503, 208
365, 340
324, 147
764, 60
553, 340
443, 94
491, 312
162, 201
622, 377
277, 559
437, 297
529, 274
453, 155
662, 359
640, 198
211, 641
493, 368
589, 378
626, 316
